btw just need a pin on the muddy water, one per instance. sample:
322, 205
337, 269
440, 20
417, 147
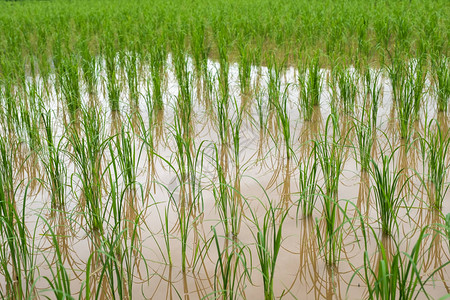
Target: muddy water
266, 178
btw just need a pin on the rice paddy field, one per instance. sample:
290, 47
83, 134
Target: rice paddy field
224, 149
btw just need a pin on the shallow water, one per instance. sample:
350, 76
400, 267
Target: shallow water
301, 271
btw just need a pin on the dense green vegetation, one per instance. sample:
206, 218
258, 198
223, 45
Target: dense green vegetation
40, 31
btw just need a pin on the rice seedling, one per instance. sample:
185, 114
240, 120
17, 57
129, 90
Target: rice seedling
274, 94
10, 111
112, 78
396, 71
157, 61
90, 67
128, 156
310, 87
308, 184
447, 229
199, 47
118, 260
184, 98
363, 47
373, 90
60, 280
223, 128
399, 276
29, 115
405, 109
364, 137
70, 86
442, 82
131, 67
54, 164
330, 156
245, 60
236, 209
188, 161
268, 238
417, 77
223, 198
284, 123
435, 145
88, 149
346, 81
387, 189
262, 122
223, 43
232, 270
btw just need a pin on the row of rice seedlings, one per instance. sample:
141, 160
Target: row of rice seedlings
17, 257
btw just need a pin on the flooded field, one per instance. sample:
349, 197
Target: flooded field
227, 149
286, 183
